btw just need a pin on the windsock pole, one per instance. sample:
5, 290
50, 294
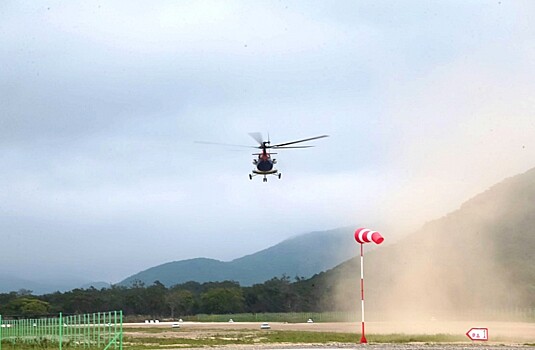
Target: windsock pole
363, 235
363, 337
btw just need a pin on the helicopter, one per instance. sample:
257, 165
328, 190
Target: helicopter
264, 163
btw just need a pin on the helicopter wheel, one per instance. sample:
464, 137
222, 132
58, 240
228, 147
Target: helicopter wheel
280, 175
265, 179
250, 177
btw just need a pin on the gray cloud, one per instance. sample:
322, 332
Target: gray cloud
100, 105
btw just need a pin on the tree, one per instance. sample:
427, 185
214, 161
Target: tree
155, 298
222, 301
181, 301
24, 292
28, 307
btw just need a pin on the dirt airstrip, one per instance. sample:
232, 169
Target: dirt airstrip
499, 332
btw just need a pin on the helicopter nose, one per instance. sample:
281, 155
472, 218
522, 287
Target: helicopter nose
264, 166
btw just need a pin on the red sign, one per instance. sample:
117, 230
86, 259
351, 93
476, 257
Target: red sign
478, 334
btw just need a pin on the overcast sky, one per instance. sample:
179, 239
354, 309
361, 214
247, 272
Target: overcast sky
427, 103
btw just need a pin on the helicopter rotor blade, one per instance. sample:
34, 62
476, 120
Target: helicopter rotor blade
223, 144
284, 147
264, 144
257, 137
292, 142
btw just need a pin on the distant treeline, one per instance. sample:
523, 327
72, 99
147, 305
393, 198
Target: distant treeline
156, 300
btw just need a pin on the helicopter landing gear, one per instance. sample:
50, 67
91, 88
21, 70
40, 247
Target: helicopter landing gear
265, 176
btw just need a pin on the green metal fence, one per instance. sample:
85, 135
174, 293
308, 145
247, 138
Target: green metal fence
102, 330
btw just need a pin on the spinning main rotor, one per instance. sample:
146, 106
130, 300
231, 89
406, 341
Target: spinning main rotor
264, 164
267, 144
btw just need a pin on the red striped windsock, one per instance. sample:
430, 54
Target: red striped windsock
364, 235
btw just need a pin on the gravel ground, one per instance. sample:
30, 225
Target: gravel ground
514, 332
468, 346
506, 335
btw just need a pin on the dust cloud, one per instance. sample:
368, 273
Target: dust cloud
454, 268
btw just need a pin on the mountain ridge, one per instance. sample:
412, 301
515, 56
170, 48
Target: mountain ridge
10, 283
291, 257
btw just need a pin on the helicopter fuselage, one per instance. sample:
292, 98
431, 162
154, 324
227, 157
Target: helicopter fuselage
264, 165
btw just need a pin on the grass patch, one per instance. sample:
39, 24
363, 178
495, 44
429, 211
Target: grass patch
151, 330
43, 344
156, 343
250, 337
292, 317
335, 337
415, 338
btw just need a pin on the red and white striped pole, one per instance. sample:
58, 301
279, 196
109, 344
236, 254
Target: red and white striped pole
363, 337
364, 235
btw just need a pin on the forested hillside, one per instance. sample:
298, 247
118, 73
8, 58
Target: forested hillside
156, 300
